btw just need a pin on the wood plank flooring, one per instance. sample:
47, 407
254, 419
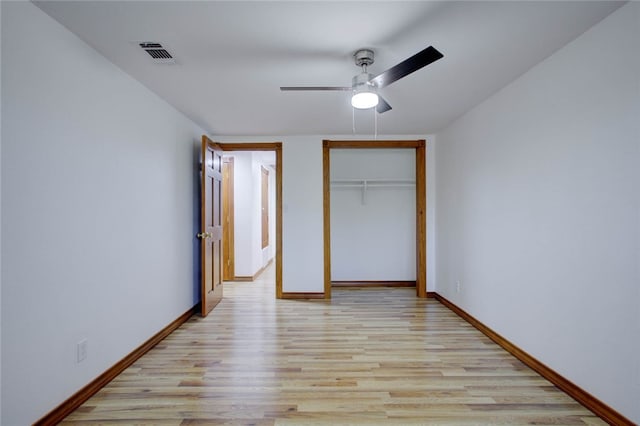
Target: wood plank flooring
371, 356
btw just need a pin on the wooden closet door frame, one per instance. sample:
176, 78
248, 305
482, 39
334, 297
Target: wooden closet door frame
421, 203
277, 148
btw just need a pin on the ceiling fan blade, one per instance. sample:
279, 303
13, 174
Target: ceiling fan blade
310, 88
406, 67
383, 106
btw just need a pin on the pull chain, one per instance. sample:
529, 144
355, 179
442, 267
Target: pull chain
375, 120
353, 120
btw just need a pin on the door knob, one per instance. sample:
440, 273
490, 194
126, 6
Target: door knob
203, 235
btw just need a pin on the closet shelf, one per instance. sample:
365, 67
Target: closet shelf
365, 184
370, 183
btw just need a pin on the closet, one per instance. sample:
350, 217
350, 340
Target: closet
373, 215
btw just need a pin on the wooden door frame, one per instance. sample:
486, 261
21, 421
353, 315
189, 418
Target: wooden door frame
421, 203
277, 147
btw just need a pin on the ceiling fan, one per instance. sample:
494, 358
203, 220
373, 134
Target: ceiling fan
365, 85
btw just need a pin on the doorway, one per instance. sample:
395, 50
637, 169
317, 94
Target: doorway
266, 241
420, 203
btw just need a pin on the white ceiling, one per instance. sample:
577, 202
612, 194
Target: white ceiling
233, 56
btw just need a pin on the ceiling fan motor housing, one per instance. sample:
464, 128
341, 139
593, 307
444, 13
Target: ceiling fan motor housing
363, 57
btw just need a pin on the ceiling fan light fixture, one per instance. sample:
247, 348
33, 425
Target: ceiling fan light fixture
365, 95
364, 100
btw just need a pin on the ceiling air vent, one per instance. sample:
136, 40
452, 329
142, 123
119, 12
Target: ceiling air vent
159, 54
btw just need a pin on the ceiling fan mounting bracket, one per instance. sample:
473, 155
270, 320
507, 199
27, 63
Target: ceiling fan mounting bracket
363, 57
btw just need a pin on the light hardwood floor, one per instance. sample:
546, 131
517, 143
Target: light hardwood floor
371, 356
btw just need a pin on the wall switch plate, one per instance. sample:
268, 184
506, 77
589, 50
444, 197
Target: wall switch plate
81, 350
457, 286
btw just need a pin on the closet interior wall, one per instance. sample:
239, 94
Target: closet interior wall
373, 215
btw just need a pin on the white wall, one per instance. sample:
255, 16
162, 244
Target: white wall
373, 239
99, 183
538, 208
269, 252
302, 233
243, 208
0, 221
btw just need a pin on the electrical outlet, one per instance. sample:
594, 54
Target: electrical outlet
81, 350
457, 286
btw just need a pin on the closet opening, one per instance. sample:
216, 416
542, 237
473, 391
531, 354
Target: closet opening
374, 198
